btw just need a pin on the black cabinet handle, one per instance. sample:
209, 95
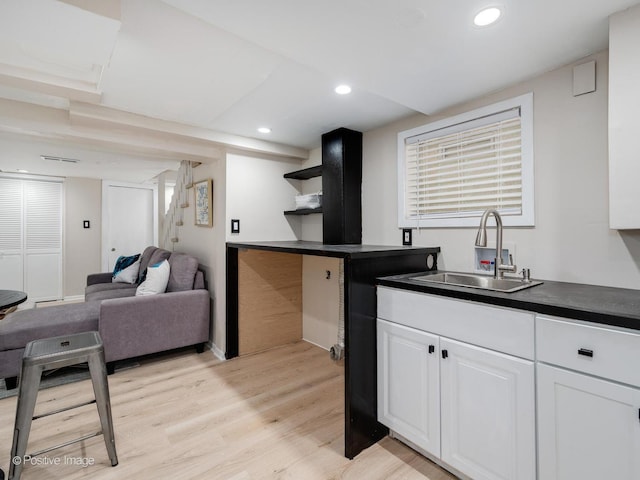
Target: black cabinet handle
432, 348
445, 354
586, 352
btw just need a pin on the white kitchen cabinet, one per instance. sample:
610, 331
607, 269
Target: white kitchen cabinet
624, 101
480, 401
588, 401
588, 428
409, 384
488, 412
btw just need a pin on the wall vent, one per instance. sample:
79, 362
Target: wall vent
59, 159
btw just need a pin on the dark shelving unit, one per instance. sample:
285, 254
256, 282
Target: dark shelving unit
342, 187
305, 174
303, 211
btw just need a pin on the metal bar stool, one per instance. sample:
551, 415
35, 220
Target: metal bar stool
48, 354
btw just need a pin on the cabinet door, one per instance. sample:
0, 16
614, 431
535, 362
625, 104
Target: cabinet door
408, 384
588, 428
488, 413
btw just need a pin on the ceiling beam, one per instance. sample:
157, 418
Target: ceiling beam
52, 123
34, 81
96, 115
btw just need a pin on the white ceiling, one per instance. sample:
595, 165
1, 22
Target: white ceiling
230, 67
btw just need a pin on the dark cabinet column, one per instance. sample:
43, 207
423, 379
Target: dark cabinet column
342, 187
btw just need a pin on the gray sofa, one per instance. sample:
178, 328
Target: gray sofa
130, 325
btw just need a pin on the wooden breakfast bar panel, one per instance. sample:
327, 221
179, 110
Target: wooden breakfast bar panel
269, 300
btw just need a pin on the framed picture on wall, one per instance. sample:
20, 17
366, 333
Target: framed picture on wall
203, 192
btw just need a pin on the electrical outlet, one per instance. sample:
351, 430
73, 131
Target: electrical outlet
406, 236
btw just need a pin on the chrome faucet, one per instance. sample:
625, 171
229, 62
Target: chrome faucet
481, 241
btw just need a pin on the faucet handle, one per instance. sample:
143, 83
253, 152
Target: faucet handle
526, 275
510, 267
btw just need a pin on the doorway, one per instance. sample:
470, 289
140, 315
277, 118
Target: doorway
129, 220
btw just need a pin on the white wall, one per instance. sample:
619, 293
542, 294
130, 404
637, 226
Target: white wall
208, 246
571, 240
320, 300
257, 195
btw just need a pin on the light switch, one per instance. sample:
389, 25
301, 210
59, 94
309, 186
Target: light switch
235, 225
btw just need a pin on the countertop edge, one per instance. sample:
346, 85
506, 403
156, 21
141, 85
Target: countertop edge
339, 251
590, 315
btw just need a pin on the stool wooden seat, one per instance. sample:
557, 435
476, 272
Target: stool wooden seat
52, 353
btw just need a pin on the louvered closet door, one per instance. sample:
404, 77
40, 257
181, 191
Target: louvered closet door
11, 259
43, 240
31, 237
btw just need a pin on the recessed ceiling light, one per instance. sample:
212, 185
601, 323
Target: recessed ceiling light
343, 89
22, 170
487, 16
264, 130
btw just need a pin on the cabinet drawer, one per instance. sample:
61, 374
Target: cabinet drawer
605, 352
501, 329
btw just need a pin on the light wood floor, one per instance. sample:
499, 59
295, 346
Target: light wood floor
277, 414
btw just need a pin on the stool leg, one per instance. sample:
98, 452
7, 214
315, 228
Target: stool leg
103, 402
27, 396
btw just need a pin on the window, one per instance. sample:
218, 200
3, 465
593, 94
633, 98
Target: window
451, 171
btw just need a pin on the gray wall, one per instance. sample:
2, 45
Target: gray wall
83, 201
571, 240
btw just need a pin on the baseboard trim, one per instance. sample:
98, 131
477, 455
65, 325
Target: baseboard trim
217, 352
74, 298
316, 344
47, 303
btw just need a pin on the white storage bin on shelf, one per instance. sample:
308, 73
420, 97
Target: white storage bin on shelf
312, 200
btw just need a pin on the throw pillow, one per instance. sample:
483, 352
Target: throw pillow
156, 281
126, 269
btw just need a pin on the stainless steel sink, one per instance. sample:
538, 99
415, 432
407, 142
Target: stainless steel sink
483, 282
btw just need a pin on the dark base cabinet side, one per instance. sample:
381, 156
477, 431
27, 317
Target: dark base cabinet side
362, 428
232, 304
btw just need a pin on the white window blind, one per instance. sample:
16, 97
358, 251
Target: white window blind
455, 170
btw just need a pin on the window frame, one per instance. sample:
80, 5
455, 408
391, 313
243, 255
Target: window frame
526, 218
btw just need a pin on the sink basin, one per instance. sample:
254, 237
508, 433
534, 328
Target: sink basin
506, 285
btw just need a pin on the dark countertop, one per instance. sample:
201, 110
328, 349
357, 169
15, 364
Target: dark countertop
340, 251
603, 305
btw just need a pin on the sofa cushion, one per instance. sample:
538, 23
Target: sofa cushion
23, 326
100, 295
144, 261
126, 269
158, 255
104, 287
183, 272
156, 281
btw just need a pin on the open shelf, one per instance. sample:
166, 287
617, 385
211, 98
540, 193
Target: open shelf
305, 174
303, 211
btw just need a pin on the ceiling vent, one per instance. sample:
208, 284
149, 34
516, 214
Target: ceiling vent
59, 159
